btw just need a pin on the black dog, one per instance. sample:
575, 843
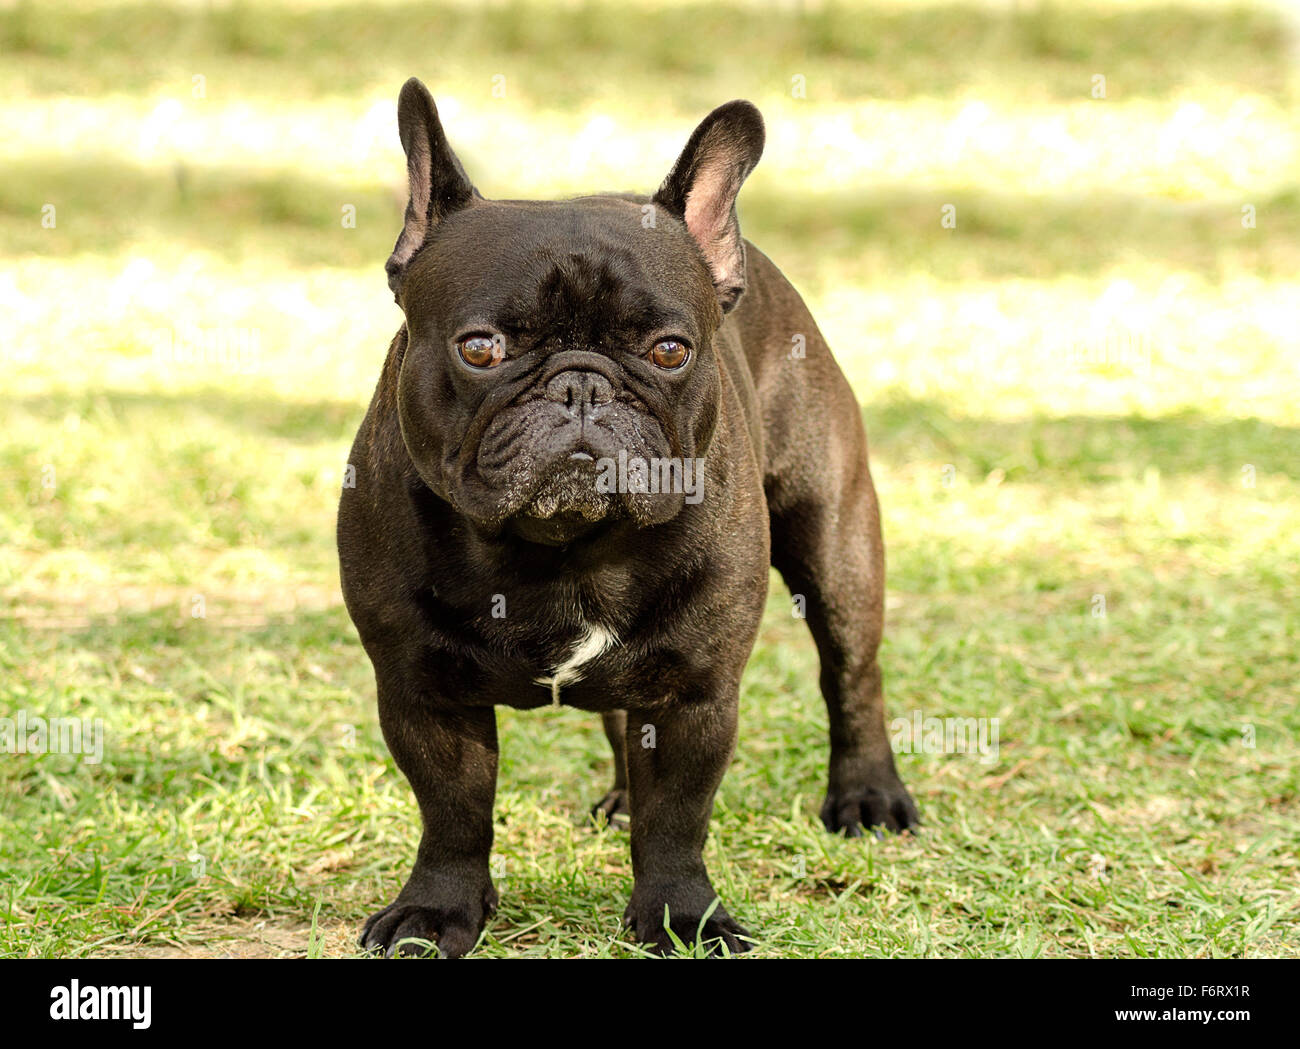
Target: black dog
585, 449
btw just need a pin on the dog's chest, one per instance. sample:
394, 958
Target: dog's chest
593, 641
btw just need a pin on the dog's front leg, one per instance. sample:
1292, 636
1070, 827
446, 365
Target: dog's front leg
675, 761
450, 758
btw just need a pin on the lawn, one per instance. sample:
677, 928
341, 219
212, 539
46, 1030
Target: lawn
1082, 401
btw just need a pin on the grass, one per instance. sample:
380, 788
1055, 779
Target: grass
1085, 391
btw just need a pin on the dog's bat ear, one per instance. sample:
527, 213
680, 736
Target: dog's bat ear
439, 185
701, 190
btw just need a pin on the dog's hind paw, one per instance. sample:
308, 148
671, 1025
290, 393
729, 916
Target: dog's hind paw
613, 810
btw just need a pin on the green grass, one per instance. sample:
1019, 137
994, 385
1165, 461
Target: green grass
894, 50
1087, 389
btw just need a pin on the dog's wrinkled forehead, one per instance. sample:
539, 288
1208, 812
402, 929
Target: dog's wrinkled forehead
577, 272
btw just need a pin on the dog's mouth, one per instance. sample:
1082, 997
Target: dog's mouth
572, 492
553, 475
568, 505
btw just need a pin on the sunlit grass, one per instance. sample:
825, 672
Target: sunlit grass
1193, 145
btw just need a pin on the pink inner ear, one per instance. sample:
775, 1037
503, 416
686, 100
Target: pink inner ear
707, 207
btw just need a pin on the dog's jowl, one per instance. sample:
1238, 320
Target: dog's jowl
602, 421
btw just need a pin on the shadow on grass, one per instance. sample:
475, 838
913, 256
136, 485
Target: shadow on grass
1087, 449
309, 422
157, 620
108, 207
1081, 448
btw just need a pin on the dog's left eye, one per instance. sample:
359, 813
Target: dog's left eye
669, 353
481, 351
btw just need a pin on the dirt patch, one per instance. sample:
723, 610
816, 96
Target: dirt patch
246, 938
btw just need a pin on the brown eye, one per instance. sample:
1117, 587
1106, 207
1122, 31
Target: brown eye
669, 353
481, 351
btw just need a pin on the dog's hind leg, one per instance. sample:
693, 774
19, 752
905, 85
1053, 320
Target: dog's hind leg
614, 805
826, 544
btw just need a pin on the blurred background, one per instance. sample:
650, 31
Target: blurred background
1056, 248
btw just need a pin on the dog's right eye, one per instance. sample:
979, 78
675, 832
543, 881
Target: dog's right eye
481, 351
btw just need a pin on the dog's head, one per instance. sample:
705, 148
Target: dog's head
559, 370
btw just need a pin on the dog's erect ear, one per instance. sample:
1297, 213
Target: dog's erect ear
701, 190
438, 182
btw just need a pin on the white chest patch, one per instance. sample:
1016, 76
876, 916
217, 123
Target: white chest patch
595, 642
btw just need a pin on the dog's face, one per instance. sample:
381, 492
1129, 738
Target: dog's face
542, 342
559, 371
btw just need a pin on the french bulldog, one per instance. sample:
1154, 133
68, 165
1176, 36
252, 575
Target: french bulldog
601, 422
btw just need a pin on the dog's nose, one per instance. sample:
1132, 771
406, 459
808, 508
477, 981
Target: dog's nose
579, 391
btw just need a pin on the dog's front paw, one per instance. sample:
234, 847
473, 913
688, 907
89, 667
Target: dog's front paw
613, 809
885, 807
419, 929
717, 935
